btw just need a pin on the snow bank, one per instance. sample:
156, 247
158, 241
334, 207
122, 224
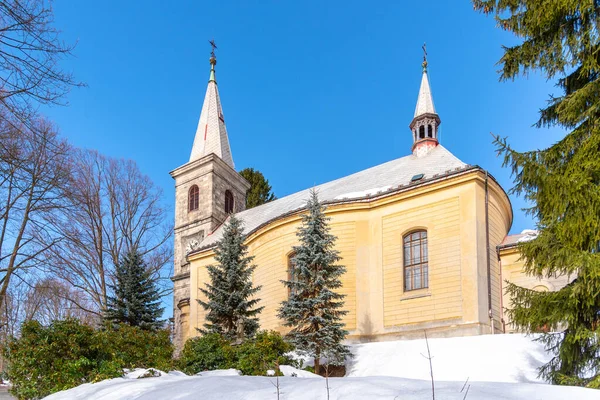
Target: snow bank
288, 370
261, 388
140, 373
499, 367
221, 372
492, 358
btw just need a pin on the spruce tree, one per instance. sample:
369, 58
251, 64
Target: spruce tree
260, 190
314, 309
230, 300
136, 299
560, 39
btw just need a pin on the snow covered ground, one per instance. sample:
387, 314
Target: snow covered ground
497, 367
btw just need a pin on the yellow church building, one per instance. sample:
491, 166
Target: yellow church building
423, 237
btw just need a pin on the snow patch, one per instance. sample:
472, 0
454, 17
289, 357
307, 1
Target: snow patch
140, 373
363, 193
221, 372
493, 358
530, 234
288, 370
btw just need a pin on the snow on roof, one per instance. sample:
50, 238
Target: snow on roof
364, 184
512, 240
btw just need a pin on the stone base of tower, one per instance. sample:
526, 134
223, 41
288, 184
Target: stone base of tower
181, 310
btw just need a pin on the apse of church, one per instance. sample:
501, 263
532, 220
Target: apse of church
418, 234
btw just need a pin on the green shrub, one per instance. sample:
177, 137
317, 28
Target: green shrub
253, 357
68, 353
206, 352
133, 347
264, 352
65, 354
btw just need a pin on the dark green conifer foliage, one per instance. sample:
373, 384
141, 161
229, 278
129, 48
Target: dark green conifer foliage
260, 191
136, 299
314, 309
560, 39
230, 302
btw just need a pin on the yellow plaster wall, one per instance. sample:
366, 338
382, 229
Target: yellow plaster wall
512, 271
443, 298
498, 229
370, 241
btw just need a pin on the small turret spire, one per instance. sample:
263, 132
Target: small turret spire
426, 122
211, 134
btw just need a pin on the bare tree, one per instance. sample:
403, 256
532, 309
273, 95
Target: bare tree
33, 169
45, 300
113, 208
429, 358
30, 51
51, 299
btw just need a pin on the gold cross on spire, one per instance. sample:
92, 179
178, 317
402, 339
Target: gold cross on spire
424, 65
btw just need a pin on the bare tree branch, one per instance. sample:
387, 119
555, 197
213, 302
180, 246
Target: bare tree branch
30, 51
33, 167
112, 208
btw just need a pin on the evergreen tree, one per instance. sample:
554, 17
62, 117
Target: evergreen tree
560, 39
260, 190
136, 300
230, 303
314, 308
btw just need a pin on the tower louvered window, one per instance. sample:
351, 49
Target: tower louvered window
416, 261
228, 202
193, 198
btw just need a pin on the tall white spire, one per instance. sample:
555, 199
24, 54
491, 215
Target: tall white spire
211, 135
426, 122
425, 100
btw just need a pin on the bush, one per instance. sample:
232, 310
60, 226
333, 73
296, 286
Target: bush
68, 353
65, 354
206, 352
264, 352
133, 347
253, 357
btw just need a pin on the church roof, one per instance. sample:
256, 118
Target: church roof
369, 183
425, 100
211, 134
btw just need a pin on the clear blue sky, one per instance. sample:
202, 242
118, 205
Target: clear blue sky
311, 90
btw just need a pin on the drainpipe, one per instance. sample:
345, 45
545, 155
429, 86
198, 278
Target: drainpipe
502, 321
487, 252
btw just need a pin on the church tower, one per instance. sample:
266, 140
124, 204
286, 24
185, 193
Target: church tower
207, 190
425, 124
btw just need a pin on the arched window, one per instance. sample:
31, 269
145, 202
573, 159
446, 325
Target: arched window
292, 277
228, 202
429, 131
416, 261
193, 198
540, 288
422, 132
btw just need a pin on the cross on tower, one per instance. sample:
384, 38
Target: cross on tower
424, 47
214, 47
